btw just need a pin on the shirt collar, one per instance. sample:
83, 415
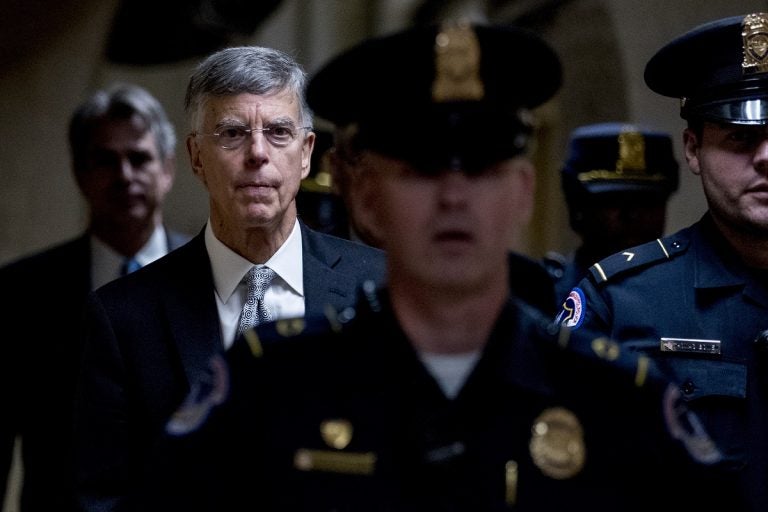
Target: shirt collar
229, 268
106, 262
716, 265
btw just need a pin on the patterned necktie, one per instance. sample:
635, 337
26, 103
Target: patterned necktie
254, 310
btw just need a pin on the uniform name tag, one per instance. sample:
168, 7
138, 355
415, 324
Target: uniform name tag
690, 346
335, 462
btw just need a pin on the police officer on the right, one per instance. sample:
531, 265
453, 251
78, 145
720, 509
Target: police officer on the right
701, 294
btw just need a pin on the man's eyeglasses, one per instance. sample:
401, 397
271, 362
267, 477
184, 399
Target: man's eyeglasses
233, 136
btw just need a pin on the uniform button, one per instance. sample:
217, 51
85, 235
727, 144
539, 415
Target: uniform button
675, 245
761, 341
688, 387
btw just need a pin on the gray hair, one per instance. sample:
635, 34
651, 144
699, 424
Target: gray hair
119, 101
246, 69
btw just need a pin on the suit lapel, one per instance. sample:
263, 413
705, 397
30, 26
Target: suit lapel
192, 315
322, 284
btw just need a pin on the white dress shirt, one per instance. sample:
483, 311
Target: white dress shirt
285, 295
106, 263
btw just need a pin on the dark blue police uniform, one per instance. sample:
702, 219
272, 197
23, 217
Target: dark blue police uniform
694, 308
344, 416
688, 303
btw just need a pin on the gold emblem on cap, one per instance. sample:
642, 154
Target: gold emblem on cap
631, 152
630, 164
337, 433
557, 443
754, 34
457, 65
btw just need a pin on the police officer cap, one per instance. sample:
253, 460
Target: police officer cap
619, 157
719, 70
452, 96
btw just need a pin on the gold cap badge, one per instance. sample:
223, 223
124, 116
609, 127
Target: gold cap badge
630, 164
557, 443
457, 65
631, 152
754, 33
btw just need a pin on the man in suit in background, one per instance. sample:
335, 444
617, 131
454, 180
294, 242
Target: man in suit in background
151, 335
123, 159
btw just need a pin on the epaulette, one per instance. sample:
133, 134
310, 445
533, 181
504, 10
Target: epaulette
640, 256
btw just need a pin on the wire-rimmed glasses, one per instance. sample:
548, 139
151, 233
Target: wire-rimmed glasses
232, 136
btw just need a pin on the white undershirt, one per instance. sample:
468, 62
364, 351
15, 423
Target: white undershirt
285, 295
450, 370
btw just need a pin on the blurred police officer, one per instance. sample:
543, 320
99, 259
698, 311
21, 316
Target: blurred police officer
701, 294
617, 180
529, 279
441, 392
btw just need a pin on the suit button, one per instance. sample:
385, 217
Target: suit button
688, 387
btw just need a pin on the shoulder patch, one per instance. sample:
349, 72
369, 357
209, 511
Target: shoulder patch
572, 311
642, 255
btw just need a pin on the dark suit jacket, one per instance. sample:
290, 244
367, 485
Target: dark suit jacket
152, 334
39, 374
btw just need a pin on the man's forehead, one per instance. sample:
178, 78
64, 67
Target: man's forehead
282, 103
108, 132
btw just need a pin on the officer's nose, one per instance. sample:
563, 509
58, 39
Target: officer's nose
761, 154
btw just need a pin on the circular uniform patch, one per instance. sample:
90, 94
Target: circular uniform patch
572, 313
557, 443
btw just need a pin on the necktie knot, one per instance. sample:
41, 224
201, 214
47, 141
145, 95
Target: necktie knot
255, 310
129, 265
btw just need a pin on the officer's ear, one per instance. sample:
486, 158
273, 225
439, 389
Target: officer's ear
364, 192
692, 144
526, 183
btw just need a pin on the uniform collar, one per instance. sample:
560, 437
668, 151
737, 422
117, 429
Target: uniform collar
716, 265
